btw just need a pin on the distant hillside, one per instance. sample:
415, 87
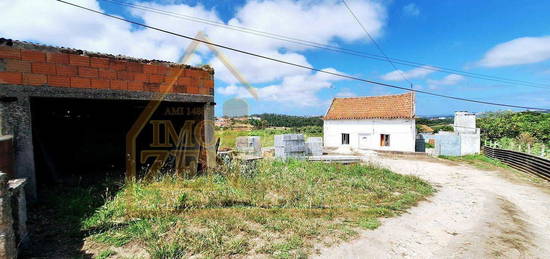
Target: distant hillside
434, 121
281, 120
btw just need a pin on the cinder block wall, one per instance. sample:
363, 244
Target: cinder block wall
24, 63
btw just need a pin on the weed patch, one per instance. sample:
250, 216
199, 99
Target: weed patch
281, 211
478, 160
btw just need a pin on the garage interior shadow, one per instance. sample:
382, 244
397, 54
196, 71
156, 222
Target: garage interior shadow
79, 147
80, 141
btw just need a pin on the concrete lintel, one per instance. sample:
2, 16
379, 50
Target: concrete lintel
19, 91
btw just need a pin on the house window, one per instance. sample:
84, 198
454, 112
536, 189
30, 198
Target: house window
384, 140
345, 138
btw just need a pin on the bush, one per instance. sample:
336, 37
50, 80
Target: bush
498, 125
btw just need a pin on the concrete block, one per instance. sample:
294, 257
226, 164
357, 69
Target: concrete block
249, 145
314, 146
290, 146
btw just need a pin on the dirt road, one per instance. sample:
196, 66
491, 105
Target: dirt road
474, 214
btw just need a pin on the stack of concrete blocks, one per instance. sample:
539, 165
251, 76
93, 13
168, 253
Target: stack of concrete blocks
249, 145
314, 146
290, 146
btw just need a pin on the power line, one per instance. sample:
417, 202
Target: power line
301, 66
423, 66
375, 43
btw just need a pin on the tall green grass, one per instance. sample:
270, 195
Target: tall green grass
281, 210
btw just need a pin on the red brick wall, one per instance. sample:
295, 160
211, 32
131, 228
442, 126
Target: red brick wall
61, 68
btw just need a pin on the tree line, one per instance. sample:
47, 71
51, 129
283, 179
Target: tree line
517, 125
281, 120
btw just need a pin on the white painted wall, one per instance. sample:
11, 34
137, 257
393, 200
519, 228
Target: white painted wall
402, 133
465, 122
470, 143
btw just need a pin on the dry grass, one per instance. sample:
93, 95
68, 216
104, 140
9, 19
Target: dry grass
281, 210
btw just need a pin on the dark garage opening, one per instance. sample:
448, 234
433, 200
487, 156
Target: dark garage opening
80, 161
83, 141
80, 140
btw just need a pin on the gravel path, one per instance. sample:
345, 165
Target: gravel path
475, 213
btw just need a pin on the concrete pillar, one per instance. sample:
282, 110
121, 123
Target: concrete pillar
209, 134
19, 209
7, 236
16, 121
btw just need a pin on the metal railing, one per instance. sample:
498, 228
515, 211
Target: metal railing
521, 161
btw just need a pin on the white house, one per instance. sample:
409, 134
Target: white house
373, 122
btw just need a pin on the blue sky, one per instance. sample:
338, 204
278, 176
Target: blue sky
509, 39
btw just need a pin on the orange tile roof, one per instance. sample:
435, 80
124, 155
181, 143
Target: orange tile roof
399, 106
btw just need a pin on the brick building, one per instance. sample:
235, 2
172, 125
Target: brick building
70, 110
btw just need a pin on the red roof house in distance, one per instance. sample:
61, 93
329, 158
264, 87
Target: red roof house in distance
371, 123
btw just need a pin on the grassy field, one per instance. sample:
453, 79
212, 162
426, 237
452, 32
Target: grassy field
280, 211
228, 137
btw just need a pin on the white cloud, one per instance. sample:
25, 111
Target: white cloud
419, 72
346, 92
525, 50
54, 23
411, 9
451, 79
297, 90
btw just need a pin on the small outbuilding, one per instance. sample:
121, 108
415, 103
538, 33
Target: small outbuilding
463, 140
371, 123
72, 116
